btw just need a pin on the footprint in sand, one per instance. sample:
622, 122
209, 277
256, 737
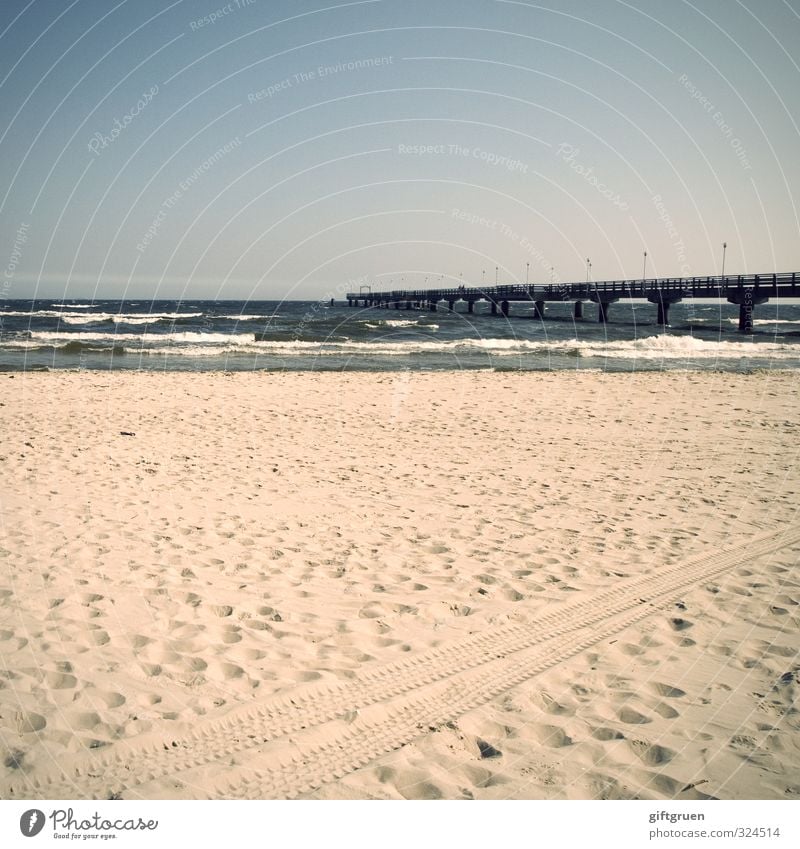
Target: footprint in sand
545, 735
89, 598
23, 722
225, 671
59, 681
231, 634
606, 734
632, 717
652, 755
665, 711
549, 705
108, 698
99, 637
666, 691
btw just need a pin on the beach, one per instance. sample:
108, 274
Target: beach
460, 584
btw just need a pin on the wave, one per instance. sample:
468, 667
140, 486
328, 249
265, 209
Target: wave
678, 347
196, 344
187, 336
203, 344
102, 316
74, 347
243, 317
79, 347
118, 319
85, 318
34, 314
770, 322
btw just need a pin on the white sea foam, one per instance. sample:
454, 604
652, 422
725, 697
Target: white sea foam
669, 347
149, 317
87, 318
768, 321
195, 344
243, 317
116, 338
118, 319
28, 314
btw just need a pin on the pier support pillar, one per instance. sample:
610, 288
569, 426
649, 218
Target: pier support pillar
577, 311
494, 308
451, 306
538, 311
432, 306
663, 301
746, 318
408, 305
603, 305
470, 306
397, 305
504, 308
747, 300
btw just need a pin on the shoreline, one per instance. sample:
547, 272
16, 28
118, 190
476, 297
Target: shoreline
184, 547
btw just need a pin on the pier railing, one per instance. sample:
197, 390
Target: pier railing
770, 285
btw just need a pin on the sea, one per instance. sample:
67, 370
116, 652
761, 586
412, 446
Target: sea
200, 335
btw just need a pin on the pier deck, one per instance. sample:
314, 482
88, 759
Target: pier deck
745, 290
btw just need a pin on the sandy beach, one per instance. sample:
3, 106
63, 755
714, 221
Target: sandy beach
399, 585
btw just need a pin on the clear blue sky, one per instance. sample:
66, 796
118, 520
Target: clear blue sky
297, 149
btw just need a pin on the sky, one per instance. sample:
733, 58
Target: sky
271, 150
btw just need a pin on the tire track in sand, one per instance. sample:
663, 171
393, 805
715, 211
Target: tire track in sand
293, 744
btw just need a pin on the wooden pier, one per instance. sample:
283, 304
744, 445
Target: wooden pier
745, 290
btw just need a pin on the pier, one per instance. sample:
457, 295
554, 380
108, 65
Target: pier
744, 290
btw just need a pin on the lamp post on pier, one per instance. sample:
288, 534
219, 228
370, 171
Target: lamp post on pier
644, 267
724, 248
527, 272
588, 269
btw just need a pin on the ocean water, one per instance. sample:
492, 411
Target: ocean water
309, 336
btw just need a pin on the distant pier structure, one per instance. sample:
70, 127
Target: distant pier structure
745, 290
